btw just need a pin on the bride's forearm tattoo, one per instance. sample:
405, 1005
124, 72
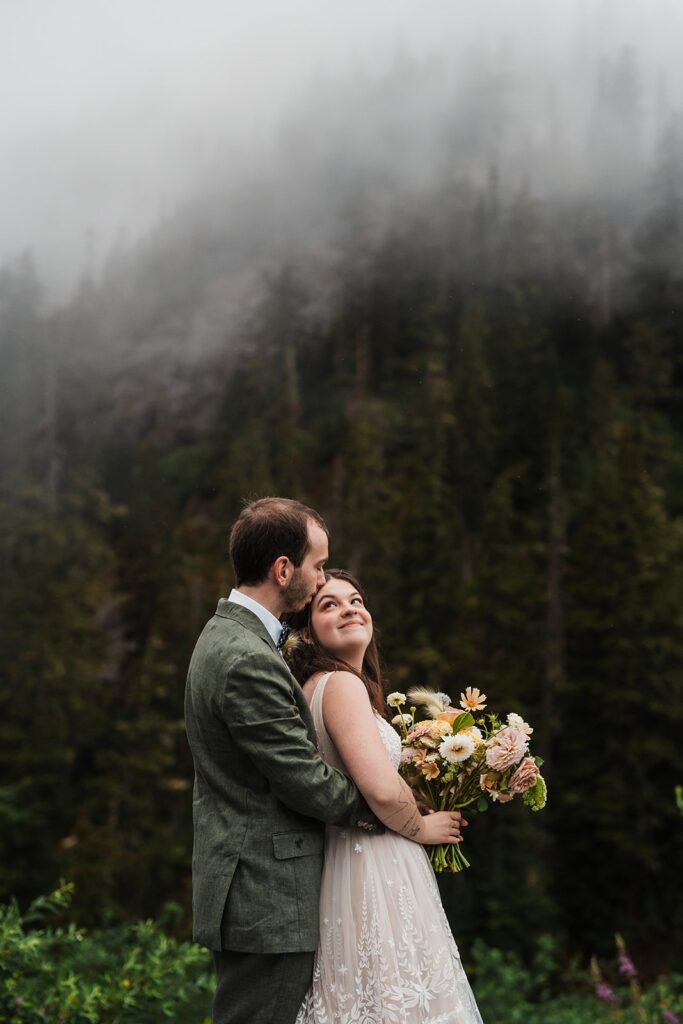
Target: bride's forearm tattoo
405, 818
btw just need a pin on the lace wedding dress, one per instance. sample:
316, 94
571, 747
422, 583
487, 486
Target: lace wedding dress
386, 953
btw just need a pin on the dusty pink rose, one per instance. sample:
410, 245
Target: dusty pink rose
506, 749
525, 777
421, 729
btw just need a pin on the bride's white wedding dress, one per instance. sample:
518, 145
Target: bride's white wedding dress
386, 953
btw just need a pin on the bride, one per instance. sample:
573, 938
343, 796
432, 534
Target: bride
386, 952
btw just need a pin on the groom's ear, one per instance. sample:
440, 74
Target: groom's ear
281, 570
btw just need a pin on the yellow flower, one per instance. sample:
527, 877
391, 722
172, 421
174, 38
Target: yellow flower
432, 735
472, 699
126, 982
430, 769
439, 729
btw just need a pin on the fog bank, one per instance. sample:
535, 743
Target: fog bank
115, 117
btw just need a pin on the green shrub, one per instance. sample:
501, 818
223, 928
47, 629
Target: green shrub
138, 975
546, 992
127, 975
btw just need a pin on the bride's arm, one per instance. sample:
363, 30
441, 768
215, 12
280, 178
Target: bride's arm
350, 722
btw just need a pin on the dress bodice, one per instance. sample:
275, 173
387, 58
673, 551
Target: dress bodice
390, 739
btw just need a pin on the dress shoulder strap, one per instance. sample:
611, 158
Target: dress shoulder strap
326, 747
317, 704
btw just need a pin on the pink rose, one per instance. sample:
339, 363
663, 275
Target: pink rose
506, 749
421, 729
525, 777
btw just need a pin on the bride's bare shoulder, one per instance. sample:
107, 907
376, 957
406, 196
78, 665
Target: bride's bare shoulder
347, 711
344, 687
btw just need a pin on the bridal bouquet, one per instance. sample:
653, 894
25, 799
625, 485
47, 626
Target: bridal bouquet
460, 757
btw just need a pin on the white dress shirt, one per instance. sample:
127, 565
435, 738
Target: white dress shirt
273, 625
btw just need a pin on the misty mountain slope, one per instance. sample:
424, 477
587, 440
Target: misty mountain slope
505, 181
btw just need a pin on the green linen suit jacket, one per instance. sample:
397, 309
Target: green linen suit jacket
261, 794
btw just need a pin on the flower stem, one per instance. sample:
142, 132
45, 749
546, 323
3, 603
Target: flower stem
448, 857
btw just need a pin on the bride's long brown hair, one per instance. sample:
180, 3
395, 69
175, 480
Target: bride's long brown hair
307, 656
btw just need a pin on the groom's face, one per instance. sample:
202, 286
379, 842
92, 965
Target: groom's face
309, 576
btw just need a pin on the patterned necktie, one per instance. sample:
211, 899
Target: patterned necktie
284, 633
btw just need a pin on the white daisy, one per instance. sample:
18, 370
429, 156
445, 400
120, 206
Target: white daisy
456, 748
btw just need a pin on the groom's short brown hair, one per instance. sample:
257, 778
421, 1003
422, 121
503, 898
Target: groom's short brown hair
265, 530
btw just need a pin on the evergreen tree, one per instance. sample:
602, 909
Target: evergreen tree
621, 711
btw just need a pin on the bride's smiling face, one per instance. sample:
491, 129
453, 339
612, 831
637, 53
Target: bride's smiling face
340, 620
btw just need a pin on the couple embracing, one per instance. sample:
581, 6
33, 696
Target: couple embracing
310, 881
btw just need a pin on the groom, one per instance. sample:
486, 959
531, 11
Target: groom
262, 793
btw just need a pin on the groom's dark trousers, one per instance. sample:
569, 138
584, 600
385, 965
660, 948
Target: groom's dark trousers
257, 988
262, 795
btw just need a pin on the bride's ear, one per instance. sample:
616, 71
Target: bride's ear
305, 636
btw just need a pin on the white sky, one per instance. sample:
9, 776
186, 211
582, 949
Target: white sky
111, 111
